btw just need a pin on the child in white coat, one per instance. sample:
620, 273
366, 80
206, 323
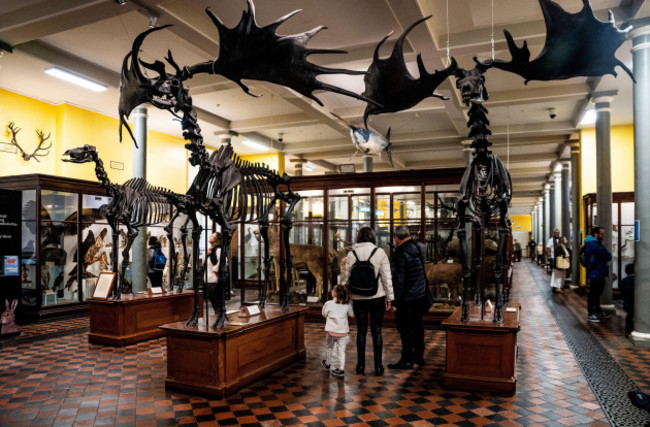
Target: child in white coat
337, 311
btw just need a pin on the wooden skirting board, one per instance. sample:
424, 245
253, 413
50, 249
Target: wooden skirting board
218, 362
135, 318
481, 354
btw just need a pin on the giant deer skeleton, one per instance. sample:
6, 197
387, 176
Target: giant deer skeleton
576, 45
225, 184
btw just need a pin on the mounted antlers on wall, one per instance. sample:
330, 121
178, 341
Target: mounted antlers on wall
41, 149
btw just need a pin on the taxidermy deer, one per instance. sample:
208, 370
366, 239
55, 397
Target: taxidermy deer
41, 149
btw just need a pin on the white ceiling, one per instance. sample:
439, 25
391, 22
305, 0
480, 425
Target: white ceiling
91, 37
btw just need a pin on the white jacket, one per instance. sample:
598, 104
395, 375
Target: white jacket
382, 267
337, 316
213, 270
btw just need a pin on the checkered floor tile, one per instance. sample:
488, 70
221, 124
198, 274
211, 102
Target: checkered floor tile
67, 381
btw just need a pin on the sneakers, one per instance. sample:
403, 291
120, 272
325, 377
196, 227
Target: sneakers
325, 365
338, 373
593, 318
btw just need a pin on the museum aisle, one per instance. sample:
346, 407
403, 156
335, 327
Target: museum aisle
67, 381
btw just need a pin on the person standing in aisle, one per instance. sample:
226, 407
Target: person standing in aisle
374, 301
598, 258
212, 269
550, 247
517, 247
153, 271
336, 312
531, 248
562, 264
409, 283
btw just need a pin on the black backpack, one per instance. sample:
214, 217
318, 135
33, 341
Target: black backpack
362, 277
582, 256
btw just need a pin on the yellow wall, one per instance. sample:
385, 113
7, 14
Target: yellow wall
522, 222
622, 144
71, 126
273, 160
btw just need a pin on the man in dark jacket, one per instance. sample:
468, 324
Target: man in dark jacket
627, 291
598, 258
409, 281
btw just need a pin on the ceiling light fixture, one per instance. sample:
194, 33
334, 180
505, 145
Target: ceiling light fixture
76, 79
255, 145
308, 167
588, 118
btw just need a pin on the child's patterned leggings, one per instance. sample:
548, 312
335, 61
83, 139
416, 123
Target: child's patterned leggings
335, 351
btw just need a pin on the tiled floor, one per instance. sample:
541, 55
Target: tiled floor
66, 381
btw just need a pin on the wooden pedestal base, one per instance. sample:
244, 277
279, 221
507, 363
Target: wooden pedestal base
217, 362
481, 355
135, 318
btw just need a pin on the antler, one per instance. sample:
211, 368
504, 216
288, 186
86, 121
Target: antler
577, 44
390, 85
39, 148
248, 51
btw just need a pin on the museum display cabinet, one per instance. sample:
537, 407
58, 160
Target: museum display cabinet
622, 229
59, 216
332, 209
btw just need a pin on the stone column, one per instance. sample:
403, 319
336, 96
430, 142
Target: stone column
552, 205
139, 248
576, 203
566, 202
367, 163
533, 214
467, 150
547, 231
557, 198
641, 54
297, 166
602, 102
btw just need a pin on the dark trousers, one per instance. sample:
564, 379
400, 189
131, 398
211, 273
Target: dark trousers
373, 308
596, 287
518, 254
409, 320
155, 277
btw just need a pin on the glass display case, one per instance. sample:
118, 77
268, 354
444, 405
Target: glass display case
334, 207
622, 229
66, 242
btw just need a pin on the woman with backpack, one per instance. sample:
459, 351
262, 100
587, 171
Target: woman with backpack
367, 272
155, 256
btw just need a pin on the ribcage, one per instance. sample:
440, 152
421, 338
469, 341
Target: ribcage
148, 205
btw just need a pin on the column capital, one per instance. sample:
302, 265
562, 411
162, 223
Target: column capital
640, 27
575, 147
466, 143
603, 99
298, 161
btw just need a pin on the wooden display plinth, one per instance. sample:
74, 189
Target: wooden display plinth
135, 318
481, 354
217, 362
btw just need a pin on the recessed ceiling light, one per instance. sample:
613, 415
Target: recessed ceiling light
588, 118
76, 79
255, 145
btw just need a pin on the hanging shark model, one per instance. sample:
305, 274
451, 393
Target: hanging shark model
368, 141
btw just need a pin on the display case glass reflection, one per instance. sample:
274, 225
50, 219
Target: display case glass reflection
58, 268
28, 244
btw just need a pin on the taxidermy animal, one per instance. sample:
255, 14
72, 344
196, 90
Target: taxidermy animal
368, 141
57, 282
444, 275
8, 319
309, 255
41, 149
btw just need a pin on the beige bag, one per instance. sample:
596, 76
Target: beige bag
562, 263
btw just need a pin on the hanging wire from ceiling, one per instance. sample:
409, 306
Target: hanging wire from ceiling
492, 33
508, 139
448, 49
